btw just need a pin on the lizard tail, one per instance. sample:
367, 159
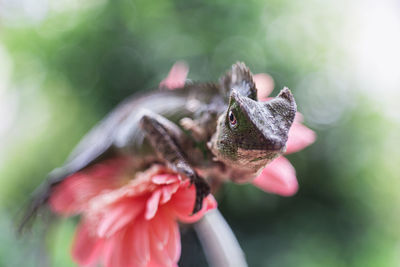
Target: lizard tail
38, 200
64, 185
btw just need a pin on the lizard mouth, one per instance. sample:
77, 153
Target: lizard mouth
241, 178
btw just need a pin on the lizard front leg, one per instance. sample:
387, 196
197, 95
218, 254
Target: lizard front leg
166, 140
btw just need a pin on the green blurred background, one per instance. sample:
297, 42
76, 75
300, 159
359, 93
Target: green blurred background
65, 63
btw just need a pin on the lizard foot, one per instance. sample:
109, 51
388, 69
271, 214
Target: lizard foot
202, 190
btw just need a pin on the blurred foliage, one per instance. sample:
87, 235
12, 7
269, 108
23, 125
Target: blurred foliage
76, 62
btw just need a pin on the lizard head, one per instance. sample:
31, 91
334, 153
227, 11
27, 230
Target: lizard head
249, 133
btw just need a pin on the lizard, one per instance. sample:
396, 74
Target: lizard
203, 130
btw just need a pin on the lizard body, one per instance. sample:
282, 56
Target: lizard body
203, 130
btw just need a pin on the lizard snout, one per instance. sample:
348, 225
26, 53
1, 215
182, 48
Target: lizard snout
283, 107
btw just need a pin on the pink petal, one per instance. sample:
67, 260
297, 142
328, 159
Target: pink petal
165, 251
279, 177
166, 178
174, 242
265, 85
119, 215
209, 203
73, 194
299, 136
182, 203
168, 191
86, 248
176, 77
152, 204
128, 247
157, 227
139, 238
160, 236
154, 263
299, 117
115, 250
159, 254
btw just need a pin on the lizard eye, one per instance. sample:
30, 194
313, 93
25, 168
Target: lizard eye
232, 118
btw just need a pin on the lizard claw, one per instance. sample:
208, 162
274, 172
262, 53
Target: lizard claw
202, 190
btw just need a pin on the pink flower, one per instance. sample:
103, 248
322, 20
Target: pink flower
127, 222
279, 177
